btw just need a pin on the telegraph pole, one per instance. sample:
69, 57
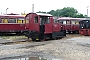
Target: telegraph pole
24, 12
32, 8
1, 12
6, 10
87, 11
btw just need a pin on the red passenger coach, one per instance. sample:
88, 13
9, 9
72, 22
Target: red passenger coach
12, 23
85, 27
41, 26
71, 25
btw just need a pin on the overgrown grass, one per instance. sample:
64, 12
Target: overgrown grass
13, 37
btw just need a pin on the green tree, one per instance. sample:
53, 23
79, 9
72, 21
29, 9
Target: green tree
52, 12
41, 12
80, 16
68, 12
65, 12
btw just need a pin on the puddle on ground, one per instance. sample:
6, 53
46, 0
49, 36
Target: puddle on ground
34, 58
30, 56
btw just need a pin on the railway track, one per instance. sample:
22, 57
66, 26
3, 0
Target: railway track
10, 42
71, 36
25, 41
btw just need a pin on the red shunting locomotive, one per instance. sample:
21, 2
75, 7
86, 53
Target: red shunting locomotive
85, 27
40, 26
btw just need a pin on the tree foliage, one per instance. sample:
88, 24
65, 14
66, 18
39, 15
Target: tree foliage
65, 12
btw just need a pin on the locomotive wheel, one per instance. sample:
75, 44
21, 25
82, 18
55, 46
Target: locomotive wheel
77, 32
33, 39
69, 32
41, 40
51, 38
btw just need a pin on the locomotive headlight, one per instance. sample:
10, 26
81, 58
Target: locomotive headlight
81, 27
61, 26
86, 21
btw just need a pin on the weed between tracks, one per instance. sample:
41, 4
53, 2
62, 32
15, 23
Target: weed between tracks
11, 43
13, 37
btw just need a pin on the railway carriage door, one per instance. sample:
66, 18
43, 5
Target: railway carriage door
68, 25
45, 24
74, 25
62, 25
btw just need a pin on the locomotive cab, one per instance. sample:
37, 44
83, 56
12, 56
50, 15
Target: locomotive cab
85, 27
41, 26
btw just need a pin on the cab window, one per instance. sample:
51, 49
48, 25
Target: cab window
36, 19
44, 20
27, 19
60, 21
48, 20
64, 22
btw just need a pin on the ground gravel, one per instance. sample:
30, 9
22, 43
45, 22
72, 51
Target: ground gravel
65, 49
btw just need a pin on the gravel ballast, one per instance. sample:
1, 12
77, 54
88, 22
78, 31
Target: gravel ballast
66, 49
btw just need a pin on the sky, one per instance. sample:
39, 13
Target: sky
18, 6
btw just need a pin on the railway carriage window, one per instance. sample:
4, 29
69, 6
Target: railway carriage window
0, 21
4, 20
77, 22
36, 19
20, 20
68, 22
72, 22
12, 20
64, 22
24, 21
